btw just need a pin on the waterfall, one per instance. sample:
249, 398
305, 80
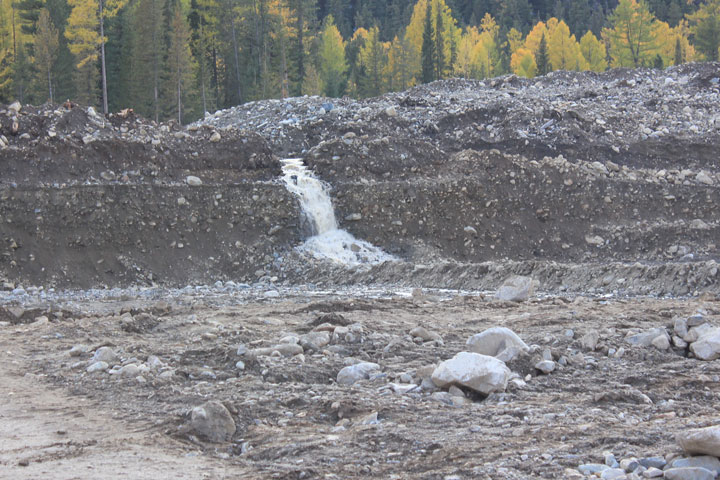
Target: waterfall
328, 241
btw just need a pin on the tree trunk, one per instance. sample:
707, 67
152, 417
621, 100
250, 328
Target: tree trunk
102, 59
237, 61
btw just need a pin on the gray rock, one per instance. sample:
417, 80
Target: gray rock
284, 349
695, 332
193, 181
97, 367
515, 289
425, 335
661, 342
497, 342
629, 464
653, 472
212, 421
707, 346
689, 473
612, 474
78, 350
645, 339
354, 373
702, 461
107, 355
590, 340
130, 370
15, 107
680, 327
649, 462
545, 366
700, 441
590, 468
215, 137
704, 178
481, 373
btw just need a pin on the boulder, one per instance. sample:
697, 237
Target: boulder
700, 441
707, 346
354, 373
498, 342
481, 373
689, 473
212, 421
645, 339
515, 289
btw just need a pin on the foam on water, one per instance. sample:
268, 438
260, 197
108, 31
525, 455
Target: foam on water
329, 242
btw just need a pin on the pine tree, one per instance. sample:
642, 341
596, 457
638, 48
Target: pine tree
333, 66
705, 26
46, 49
439, 46
180, 64
593, 52
541, 57
428, 48
303, 14
63, 67
21, 73
373, 58
147, 57
679, 55
658, 62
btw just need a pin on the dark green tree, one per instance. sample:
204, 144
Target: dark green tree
428, 48
679, 53
542, 58
439, 46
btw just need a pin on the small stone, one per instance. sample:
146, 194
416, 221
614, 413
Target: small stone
212, 421
700, 441
645, 339
661, 342
97, 367
481, 373
611, 461
689, 473
704, 178
215, 137
650, 462
391, 112
240, 365
545, 366
612, 474
629, 464
357, 372
353, 217
78, 350
653, 472
424, 334
590, 468
130, 370
193, 181
107, 355
15, 107
590, 340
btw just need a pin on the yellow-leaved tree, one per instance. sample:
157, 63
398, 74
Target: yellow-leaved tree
523, 63
563, 49
593, 52
86, 36
449, 36
632, 35
333, 66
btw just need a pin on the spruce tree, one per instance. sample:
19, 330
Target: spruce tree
439, 46
428, 48
541, 57
679, 54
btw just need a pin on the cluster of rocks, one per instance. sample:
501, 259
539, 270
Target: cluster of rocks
699, 461
694, 334
107, 360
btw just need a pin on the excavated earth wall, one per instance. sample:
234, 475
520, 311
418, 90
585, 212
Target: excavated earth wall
605, 182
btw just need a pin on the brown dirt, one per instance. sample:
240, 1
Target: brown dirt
287, 410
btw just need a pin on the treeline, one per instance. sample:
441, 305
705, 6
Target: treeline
180, 58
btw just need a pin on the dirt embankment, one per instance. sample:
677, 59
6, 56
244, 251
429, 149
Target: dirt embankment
572, 168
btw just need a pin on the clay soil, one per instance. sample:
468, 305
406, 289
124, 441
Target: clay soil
294, 421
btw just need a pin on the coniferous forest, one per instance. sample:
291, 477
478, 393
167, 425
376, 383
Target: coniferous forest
175, 59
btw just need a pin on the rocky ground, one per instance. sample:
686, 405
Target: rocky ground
156, 319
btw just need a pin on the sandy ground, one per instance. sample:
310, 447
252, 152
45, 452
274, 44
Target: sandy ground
294, 421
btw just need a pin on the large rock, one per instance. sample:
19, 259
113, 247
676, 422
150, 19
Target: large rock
645, 339
703, 461
515, 289
481, 373
707, 346
689, 473
107, 355
700, 441
212, 421
354, 373
498, 342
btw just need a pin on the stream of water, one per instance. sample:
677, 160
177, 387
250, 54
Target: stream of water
328, 240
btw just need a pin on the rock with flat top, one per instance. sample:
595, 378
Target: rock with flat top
212, 421
700, 441
481, 373
498, 342
515, 289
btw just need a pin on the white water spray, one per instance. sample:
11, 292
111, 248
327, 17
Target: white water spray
329, 242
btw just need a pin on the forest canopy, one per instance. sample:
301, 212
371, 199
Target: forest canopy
175, 59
